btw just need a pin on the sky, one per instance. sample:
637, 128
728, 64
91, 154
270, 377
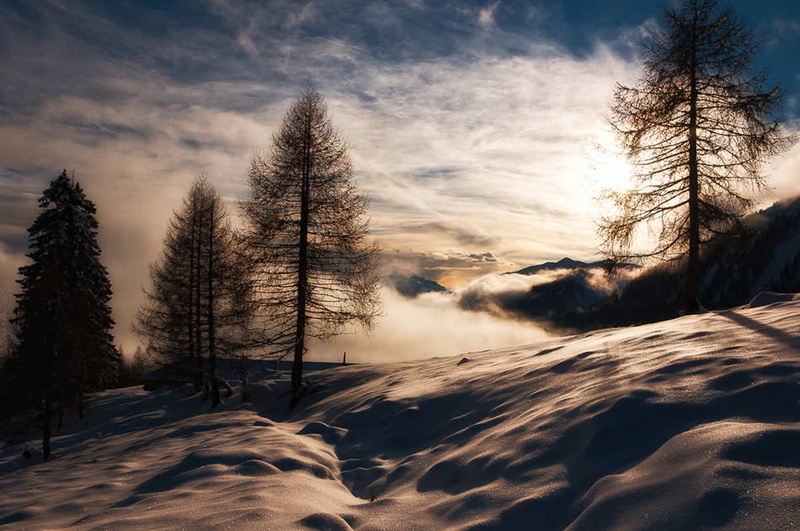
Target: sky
478, 130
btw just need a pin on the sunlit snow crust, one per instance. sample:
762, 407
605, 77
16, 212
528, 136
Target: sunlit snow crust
688, 424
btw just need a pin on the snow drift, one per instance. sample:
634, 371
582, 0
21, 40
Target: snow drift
687, 424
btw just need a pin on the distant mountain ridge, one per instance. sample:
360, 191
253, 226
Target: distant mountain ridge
414, 285
734, 268
564, 263
568, 293
568, 263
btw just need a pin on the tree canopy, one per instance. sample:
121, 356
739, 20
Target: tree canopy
697, 129
63, 347
200, 305
307, 229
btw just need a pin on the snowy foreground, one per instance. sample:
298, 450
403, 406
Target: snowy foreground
688, 424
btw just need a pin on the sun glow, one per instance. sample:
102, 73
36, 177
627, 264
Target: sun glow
610, 171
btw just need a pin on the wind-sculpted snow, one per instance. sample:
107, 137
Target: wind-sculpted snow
687, 424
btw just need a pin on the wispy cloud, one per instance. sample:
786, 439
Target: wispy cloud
786, 25
486, 15
473, 146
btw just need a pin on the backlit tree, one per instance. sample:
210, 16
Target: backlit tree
307, 232
696, 129
63, 347
200, 306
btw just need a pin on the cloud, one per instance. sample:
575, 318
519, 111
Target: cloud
512, 143
495, 293
471, 145
449, 268
429, 325
245, 38
781, 173
464, 234
486, 15
305, 14
784, 26
633, 37
482, 257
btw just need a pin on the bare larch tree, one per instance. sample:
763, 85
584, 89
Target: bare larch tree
200, 305
696, 130
307, 229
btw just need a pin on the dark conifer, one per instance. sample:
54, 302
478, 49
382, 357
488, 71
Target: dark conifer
62, 320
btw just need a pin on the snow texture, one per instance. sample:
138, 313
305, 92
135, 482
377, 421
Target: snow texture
687, 424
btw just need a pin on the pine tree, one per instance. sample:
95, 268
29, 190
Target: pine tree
200, 305
696, 130
64, 348
307, 232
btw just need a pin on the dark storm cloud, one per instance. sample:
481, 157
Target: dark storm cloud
482, 257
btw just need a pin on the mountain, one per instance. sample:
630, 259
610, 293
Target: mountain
577, 287
685, 424
564, 263
733, 269
414, 285
765, 257
569, 263
566, 294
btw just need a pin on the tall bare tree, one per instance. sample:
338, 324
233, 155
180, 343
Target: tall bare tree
696, 129
200, 305
307, 230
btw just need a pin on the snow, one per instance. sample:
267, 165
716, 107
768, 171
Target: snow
770, 297
687, 424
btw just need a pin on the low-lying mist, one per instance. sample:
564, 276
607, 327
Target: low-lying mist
431, 324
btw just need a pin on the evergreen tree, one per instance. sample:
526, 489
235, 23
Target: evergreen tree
696, 129
307, 232
63, 348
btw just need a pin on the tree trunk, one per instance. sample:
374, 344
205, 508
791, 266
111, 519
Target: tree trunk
212, 356
194, 352
302, 269
48, 406
46, 432
693, 267
245, 384
198, 304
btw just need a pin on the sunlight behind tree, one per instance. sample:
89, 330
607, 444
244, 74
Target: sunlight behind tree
696, 129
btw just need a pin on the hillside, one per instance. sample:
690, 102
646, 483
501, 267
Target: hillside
734, 268
687, 424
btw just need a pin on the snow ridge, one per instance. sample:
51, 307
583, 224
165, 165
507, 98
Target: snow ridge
686, 424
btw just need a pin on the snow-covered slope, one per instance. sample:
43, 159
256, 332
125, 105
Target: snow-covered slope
687, 424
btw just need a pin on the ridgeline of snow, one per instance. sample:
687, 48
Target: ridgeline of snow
688, 424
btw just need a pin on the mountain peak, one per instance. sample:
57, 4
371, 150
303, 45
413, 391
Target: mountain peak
564, 263
414, 285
